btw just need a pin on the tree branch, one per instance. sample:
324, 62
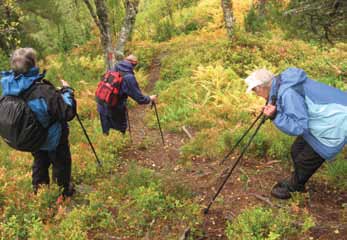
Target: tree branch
92, 13
131, 8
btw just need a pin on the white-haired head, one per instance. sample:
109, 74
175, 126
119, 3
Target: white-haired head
261, 78
22, 60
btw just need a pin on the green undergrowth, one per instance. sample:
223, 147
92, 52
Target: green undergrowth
260, 223
109, 202
133, 203
202, 86
335, 172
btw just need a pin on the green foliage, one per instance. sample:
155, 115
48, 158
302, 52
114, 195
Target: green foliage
201, 86
205, 94
336, 172
167, 19
165, 30
145, 53
320, 20
255, 22
48, 26
28, 220
9, 25
146, 200
280, 146
77, 70
116, 13
204, 144
105, 199
266, 224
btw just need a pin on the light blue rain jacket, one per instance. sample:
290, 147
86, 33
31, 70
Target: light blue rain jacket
313, 110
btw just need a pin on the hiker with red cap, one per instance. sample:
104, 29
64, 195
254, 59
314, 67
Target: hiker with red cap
115, 117
314, 112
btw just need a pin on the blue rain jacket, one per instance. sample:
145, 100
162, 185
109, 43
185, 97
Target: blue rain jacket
311, 109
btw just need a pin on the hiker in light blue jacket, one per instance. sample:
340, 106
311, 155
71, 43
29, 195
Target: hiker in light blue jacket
313, 111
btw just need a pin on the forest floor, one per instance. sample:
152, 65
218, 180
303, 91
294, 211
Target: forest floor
324, 202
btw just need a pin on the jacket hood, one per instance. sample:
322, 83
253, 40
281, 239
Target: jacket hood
15, 85
124, 66
289, 78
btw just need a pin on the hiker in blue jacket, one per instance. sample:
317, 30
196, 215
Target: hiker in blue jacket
52, 108
314, 112
116, 118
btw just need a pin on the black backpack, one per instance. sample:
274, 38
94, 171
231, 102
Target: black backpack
19, 126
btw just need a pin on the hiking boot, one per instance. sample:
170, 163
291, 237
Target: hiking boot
283, 189
69, 191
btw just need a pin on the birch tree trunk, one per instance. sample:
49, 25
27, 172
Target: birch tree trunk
100, 18
131, 7
227, 7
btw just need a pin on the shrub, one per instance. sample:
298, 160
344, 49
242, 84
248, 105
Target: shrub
336, 171
145, 199
254, 22
259, 223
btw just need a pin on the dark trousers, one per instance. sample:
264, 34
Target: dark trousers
60, 160
306, 161
117, 120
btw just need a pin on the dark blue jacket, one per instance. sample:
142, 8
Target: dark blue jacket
51, 107
129, 87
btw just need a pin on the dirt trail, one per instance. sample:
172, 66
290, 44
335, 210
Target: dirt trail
325, 204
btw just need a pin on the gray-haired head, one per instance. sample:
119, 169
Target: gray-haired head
261, 77
23, 59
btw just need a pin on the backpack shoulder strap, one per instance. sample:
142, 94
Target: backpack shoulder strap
25, 95
124, 74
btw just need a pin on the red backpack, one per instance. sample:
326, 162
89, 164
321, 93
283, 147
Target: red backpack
107, 92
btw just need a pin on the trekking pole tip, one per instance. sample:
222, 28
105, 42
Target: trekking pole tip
206, 210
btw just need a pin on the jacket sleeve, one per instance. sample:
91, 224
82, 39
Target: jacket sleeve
292, 116
133, 90
62, 105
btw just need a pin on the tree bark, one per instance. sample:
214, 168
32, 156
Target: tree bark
131, 7
100, 18
227, 7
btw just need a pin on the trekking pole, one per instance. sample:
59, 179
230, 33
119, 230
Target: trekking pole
156, 113
234, 166
239, 141
90, 143
127, 112
273, 100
